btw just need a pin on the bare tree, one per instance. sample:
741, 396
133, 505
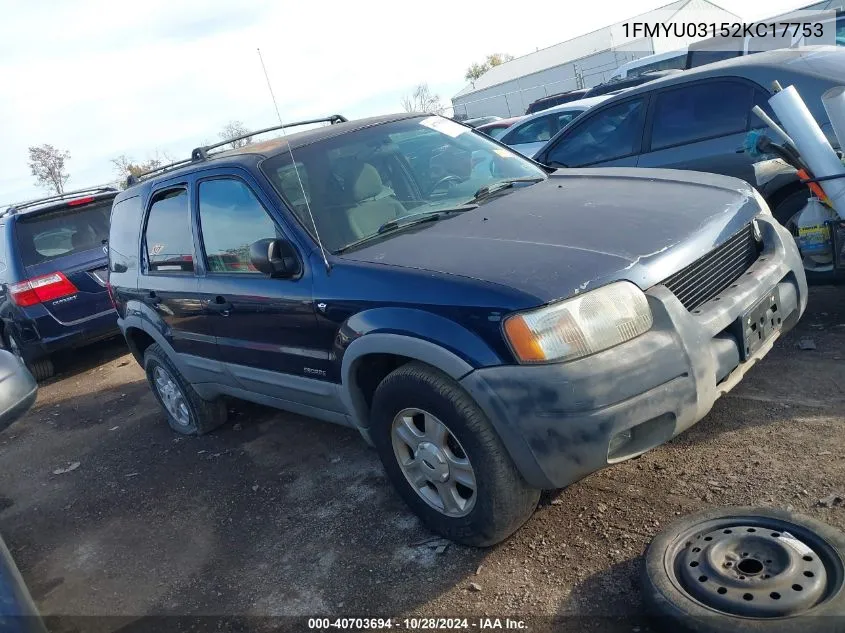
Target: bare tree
234, 129
422, 100
476, 70
47, 164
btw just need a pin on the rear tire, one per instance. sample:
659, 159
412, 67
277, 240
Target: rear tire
187, 413
502, 501
41, 369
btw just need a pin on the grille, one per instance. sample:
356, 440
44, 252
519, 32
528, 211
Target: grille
709, 275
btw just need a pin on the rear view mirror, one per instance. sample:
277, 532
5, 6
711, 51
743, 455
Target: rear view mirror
275, 258
17, 389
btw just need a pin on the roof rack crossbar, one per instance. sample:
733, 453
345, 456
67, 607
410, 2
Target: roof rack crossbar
201, 153
132, 179
59, 196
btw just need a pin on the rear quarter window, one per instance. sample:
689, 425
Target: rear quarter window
124, 243
46, 236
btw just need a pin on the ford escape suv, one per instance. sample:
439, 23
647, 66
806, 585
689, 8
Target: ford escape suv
53, 272
493, 329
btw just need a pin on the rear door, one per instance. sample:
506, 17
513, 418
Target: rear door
701, 126
69, 241
168, 285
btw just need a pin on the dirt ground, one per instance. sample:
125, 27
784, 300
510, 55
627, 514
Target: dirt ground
279, 515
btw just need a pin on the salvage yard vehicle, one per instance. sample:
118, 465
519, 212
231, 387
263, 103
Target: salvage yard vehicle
699, 119
53, 270
492, 332
533, 131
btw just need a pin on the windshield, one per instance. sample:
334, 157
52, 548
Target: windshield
357, 182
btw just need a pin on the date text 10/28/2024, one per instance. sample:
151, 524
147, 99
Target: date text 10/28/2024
416, 624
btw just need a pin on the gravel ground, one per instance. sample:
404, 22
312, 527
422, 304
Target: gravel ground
279, 515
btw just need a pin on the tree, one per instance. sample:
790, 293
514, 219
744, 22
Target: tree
422, 100
234, 129
47, 164
126, 166
476, 70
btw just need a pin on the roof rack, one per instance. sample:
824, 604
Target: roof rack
201, 153
19, 206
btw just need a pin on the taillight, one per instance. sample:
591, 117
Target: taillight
78, 201
40, 289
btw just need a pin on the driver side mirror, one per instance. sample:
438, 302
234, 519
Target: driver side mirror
275, 258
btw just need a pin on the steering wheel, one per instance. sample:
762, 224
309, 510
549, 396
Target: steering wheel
446, 180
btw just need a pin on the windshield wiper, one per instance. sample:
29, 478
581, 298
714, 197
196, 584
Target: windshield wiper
406, 221
489, 190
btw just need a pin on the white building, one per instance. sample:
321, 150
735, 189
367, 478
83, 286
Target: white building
582, 62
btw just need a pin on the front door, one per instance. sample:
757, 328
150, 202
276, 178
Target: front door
701, 127
266, 328
608, 137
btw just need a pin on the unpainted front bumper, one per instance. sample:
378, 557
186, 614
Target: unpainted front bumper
557, 420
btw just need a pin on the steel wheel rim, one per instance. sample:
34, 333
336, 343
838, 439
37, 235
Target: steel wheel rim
172, 397
754, 567
433, 462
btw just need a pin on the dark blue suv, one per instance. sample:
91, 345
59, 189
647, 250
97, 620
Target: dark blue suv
491, 327
53, 269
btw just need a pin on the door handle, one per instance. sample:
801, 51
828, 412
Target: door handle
220, 306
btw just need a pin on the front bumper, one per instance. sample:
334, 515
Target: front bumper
561, 422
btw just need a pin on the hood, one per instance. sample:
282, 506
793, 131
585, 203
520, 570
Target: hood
578, 229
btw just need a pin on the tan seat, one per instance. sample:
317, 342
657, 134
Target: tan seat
374, 205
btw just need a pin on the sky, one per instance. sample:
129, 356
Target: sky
100, 80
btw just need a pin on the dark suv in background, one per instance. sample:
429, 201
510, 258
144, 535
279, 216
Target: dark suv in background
53, 274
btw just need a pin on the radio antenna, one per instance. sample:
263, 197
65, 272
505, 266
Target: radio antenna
293, 162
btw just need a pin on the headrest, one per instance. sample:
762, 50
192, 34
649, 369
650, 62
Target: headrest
368, 184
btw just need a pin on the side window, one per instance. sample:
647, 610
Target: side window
565, 118
532, 132
231, 218
125, 226
168, 239
694, 113
610, 133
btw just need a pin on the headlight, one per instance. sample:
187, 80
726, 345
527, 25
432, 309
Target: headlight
580, 326
764, 206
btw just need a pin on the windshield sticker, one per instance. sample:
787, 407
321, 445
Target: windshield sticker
157, 248
444, 126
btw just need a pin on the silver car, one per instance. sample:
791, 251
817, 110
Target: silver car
531, 133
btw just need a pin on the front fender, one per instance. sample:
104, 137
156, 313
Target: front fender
423, 336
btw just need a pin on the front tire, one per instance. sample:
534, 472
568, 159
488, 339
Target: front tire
187, 413
446, 460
